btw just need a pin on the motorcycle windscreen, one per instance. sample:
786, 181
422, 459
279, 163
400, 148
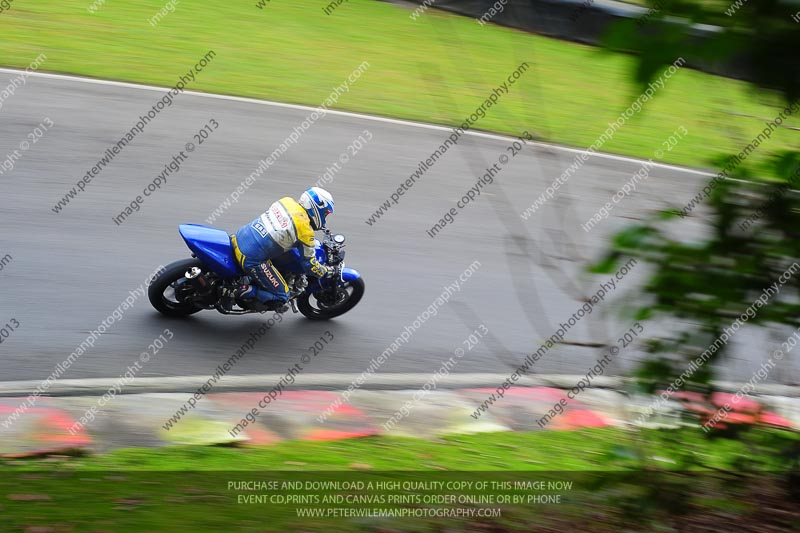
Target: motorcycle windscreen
212, 246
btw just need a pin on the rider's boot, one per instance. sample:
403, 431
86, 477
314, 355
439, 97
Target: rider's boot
243, 292
240, 294
278, 306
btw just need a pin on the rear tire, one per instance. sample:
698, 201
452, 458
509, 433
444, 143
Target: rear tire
310, 311
162, 291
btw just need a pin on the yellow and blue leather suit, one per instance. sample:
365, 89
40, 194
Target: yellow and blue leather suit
285, 225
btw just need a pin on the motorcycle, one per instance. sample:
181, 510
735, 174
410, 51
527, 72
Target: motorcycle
191, 285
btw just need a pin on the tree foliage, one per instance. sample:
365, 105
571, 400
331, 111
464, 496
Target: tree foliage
703, 279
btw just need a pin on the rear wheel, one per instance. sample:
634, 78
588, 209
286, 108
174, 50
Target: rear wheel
319, 307
170, 291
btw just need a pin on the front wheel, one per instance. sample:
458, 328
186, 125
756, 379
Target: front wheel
320, 308
169, 292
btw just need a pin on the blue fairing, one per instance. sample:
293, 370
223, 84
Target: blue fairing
212, 246
350, 274
292, 261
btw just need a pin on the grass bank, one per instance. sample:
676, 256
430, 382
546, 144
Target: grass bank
594, 477
437, 68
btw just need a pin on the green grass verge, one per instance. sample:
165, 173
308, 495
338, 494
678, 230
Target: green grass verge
607, 449
438, 68
180, 488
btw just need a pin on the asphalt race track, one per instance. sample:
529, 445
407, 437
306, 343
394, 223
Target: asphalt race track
70, 270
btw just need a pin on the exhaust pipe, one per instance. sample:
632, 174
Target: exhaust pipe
195, 276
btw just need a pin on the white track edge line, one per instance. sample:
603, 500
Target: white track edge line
362, 116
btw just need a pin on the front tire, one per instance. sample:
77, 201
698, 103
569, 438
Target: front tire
314, 310
165, 290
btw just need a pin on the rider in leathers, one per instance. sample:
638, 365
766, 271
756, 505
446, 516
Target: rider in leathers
285, 225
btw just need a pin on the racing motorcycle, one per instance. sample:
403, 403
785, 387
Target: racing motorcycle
191, 285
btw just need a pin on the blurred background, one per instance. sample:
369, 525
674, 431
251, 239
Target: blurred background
645, 172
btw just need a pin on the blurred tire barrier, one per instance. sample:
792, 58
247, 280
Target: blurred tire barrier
582, 21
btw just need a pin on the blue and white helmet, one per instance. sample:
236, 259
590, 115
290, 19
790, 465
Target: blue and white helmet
318, 203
